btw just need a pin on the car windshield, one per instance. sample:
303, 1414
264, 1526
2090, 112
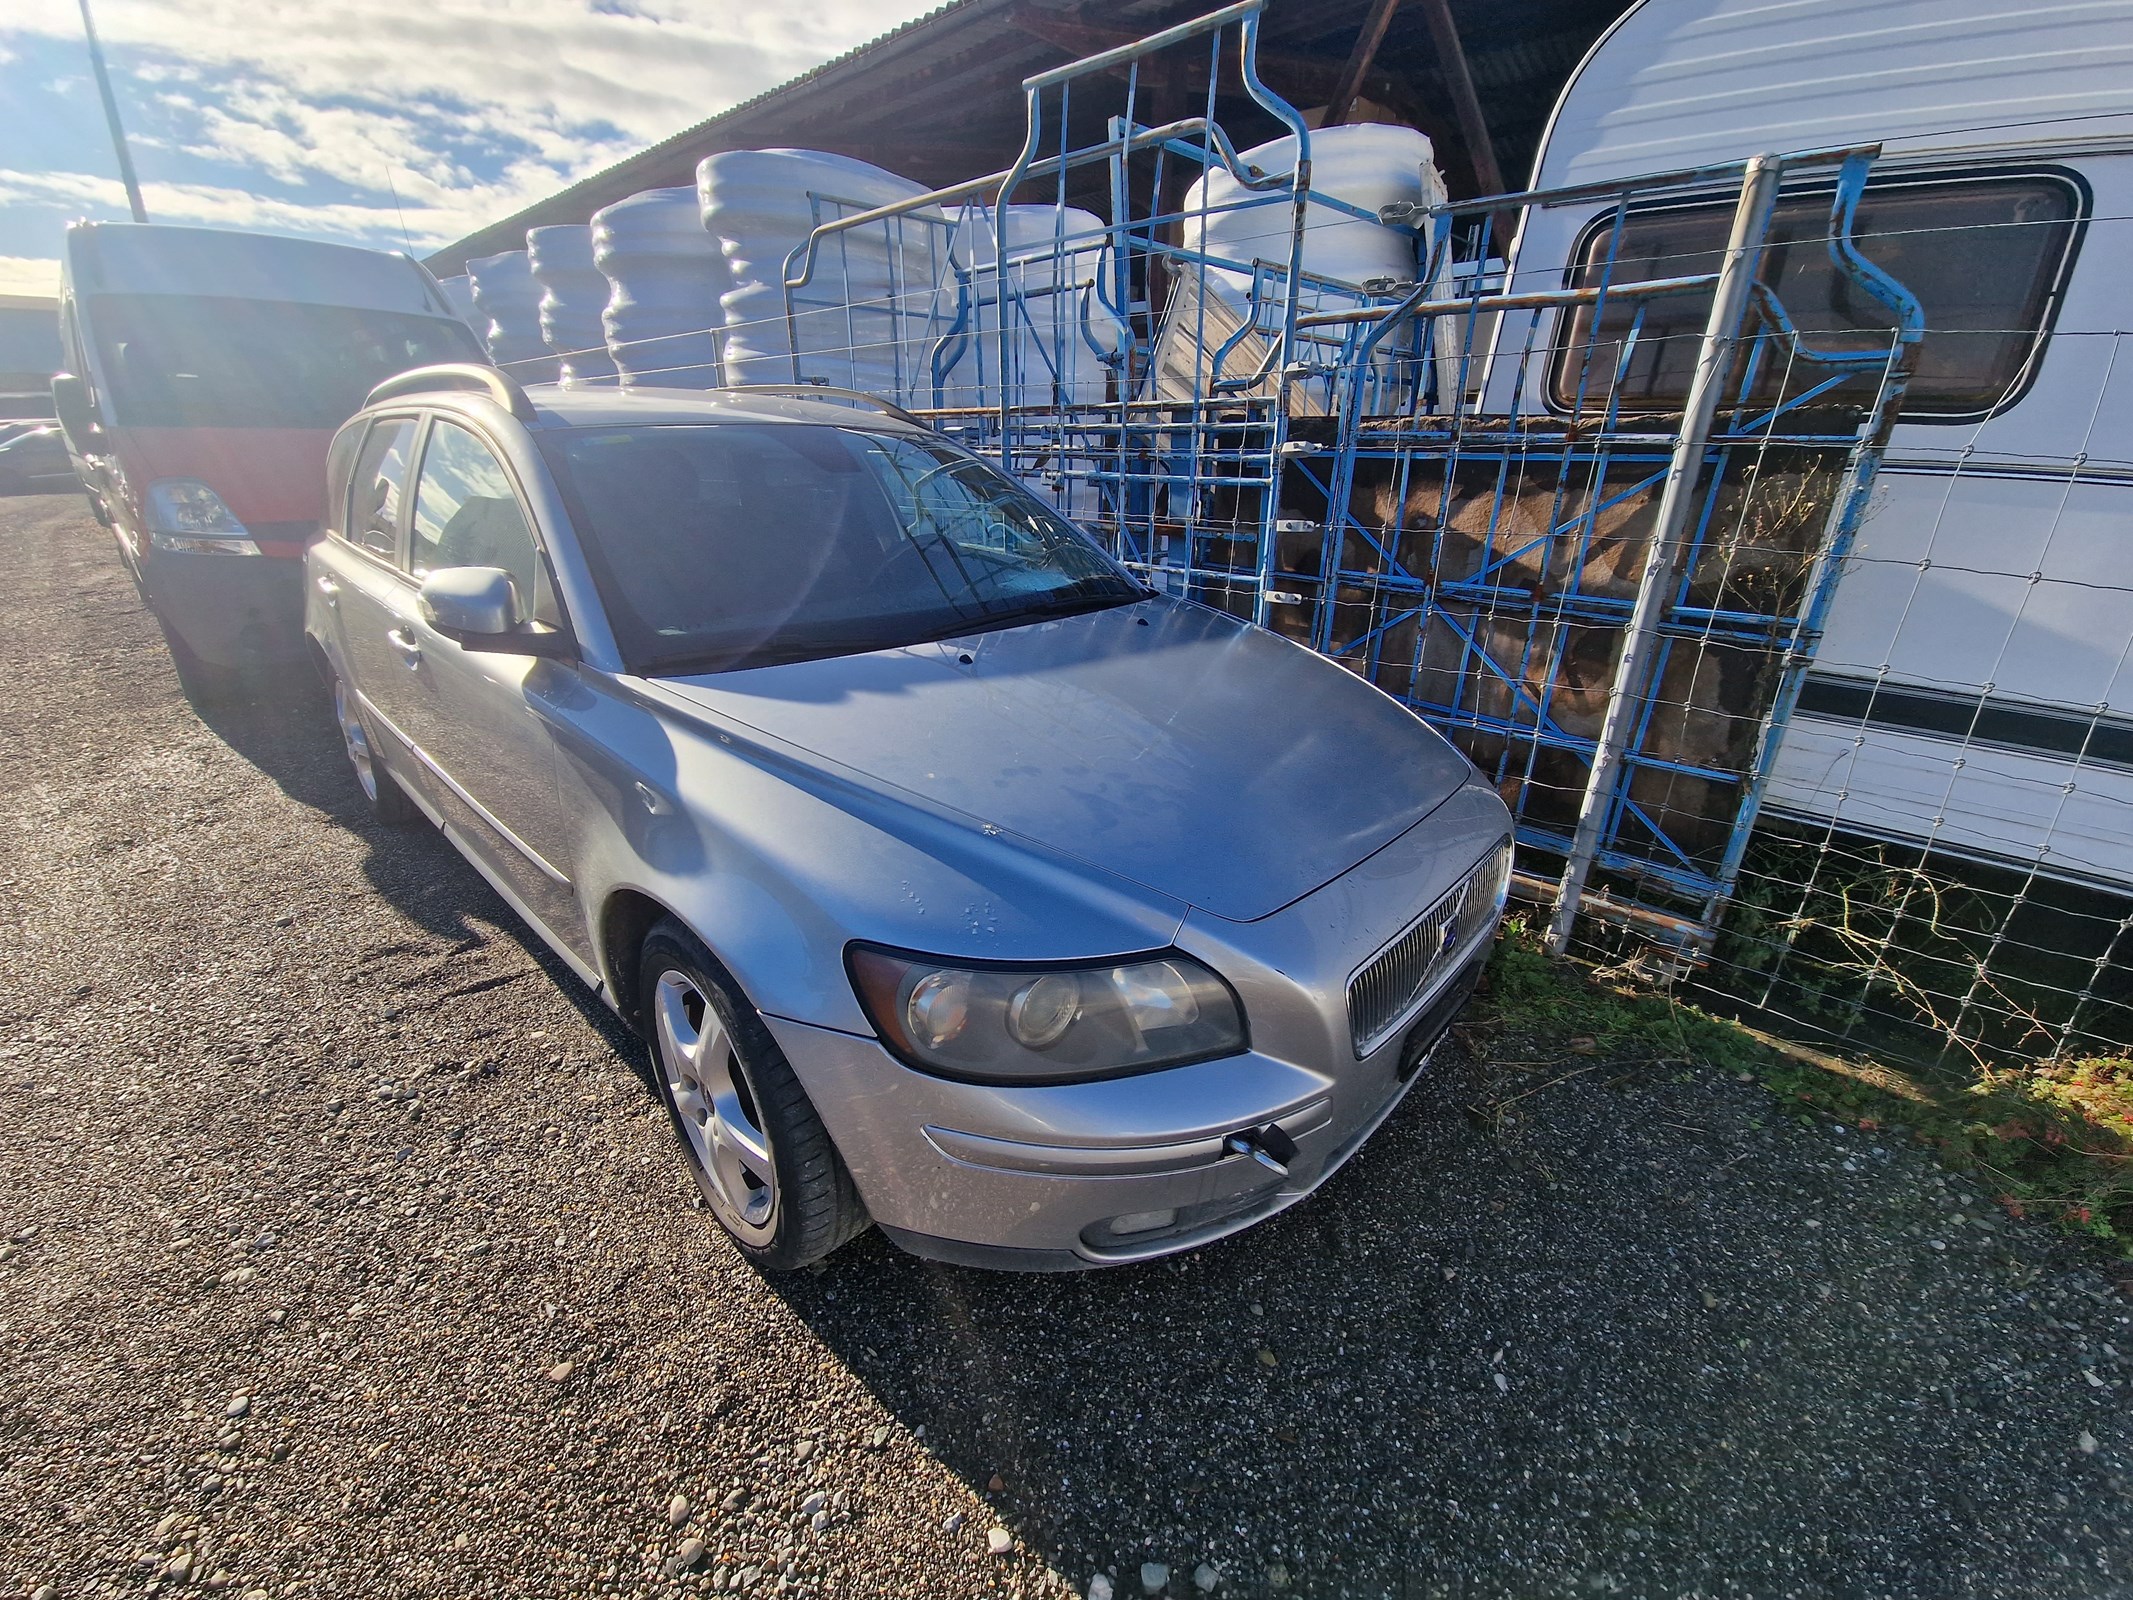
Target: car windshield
741, 544
201, 361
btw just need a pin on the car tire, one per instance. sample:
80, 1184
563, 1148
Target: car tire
761, 1158
387, 800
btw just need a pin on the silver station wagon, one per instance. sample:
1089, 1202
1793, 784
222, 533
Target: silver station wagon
959, 883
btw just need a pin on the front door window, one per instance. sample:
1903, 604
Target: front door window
467, 515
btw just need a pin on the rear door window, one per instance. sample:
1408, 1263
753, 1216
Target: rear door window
376, 487
1984, 255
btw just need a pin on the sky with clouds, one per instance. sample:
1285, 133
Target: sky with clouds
392, 123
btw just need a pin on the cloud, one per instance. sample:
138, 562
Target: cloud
645, 70
458, 110
28, 275
223, 207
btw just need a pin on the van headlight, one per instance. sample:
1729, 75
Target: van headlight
1046, 1024
185, 514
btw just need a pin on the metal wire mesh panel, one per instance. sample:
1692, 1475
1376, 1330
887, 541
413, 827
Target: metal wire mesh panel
1948, 865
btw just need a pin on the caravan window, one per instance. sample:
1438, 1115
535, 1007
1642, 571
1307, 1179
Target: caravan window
1983, 255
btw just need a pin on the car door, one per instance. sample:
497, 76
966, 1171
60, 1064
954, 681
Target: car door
480, 720
366, 588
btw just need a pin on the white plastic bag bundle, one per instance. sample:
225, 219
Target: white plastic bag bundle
573, 296
508, 304
1046, 343
1365, 166
665, 276
865, 320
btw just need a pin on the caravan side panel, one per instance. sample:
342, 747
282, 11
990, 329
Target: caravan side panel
1973, 690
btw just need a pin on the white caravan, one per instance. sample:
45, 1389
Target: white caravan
1972, 691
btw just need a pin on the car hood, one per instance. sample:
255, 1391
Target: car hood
1204, 758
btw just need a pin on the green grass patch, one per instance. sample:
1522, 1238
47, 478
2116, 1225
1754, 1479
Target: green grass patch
2051, 1139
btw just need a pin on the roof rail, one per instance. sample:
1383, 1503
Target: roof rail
457, 375
821, 391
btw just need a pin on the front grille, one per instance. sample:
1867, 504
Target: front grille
1381, 995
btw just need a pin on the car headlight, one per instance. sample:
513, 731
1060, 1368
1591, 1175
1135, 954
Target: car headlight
1046, 1024
185, 514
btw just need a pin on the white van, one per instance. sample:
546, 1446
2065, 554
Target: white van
1973, 691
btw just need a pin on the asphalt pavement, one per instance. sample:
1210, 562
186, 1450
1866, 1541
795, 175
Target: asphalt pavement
344, 1252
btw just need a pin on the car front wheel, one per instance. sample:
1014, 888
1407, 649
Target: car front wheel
760, 1156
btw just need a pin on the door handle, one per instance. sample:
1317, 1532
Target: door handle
402, 641
330, 589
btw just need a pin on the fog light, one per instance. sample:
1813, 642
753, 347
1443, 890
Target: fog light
1144, 1221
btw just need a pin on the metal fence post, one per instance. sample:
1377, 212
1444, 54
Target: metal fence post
1662, 567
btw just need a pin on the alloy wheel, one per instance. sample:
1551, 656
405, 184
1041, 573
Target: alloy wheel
357, 740
716, 1106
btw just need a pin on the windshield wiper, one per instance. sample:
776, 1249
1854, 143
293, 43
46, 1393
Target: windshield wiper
817, 645
1067, 603
775, 653
1041, 608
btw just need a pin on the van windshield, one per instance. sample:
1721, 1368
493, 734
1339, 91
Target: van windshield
742, 544
201, 361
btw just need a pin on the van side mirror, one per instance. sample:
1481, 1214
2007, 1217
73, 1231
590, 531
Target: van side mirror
76, 412
477, 609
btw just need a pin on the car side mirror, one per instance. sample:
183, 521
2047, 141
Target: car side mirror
76, 412
477, 609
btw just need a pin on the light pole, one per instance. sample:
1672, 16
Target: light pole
111, 115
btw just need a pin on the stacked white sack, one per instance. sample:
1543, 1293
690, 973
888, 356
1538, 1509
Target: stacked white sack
508, 304
573, 296
1366, 165
459, 295
1046, 345
866, 318
665, 276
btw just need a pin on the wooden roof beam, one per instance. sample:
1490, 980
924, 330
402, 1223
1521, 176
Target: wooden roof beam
1466, 105
1350, 83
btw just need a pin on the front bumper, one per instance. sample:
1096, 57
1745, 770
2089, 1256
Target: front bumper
1068, 1176
231, 611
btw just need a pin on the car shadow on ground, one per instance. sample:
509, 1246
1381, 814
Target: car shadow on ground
1609, 1352
282, 724
280, 720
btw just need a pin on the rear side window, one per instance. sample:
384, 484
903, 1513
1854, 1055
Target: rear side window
375, 488
467, 514
1984, 256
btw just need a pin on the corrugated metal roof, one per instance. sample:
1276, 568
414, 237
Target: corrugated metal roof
939, 98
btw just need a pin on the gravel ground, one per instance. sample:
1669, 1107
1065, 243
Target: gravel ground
342, 1252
